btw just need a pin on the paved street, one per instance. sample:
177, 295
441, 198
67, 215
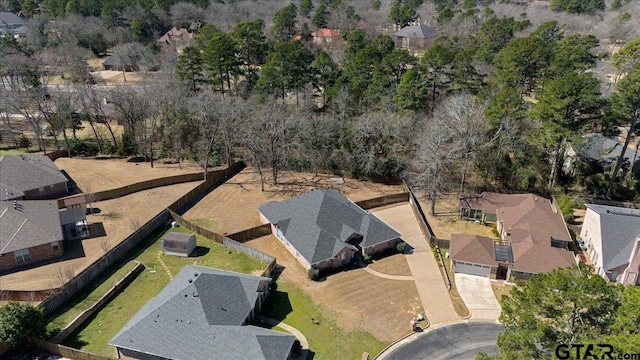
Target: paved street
460, 341
424, 269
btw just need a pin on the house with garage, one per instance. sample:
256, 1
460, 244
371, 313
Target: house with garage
31, 177
177, 39
325, 230
34, 231
203, 314
533, 237
612, 238
178, 244
415, 38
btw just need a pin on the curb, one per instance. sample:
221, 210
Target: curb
400, 339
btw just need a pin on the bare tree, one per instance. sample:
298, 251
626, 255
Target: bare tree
463, 115
318, 133
436, 147
205, 120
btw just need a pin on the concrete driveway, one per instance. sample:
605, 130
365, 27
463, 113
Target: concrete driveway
477, 294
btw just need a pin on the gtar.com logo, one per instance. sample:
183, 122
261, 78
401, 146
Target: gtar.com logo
590, 351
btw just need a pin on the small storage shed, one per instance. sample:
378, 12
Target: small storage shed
178, 244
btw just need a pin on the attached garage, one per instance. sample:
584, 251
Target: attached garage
472, 269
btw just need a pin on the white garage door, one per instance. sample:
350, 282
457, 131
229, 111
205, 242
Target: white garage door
472, 269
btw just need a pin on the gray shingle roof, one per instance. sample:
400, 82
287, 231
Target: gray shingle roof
200, 315
33, 223
319, 223
619, 228
417, 32
21, 173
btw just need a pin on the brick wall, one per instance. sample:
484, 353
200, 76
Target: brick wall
48, 192
37, 253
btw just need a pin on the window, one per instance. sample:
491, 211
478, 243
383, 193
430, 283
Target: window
55, 246
22, 256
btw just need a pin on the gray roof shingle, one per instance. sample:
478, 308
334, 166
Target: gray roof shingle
319, 223
417, 32
200, 315
21, 173
619, 228
33, 223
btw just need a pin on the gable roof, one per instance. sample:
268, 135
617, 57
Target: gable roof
21, 173
9, 19
200, 315
417, 32
472, 248
319, 223
619, 229
30, 223
530, 222
179, 37
177, 237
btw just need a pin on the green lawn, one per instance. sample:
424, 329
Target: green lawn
326, 340
4, 152
87, 297
96, 333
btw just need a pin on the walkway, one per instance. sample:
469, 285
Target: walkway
386, 276
303, 340
425, 270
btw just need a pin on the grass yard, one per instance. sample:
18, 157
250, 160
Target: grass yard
326, 340
87, 297
96, 333
499, 290
4, 152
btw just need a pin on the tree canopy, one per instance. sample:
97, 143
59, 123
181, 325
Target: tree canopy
19, 322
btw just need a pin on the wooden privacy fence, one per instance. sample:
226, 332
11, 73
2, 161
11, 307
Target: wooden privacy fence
94, 270
68, 352
80, 319
195, 228
252, 233
259, 255
383, 200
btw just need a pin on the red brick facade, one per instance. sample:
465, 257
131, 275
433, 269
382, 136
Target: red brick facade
36, 253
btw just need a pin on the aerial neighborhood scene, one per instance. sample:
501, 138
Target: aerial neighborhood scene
319, 179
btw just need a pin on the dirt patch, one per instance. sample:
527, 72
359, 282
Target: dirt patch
234, 205
360, 300
119, 217
93, 175
447, 219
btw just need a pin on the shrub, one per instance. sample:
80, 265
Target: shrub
367, 258
18, 322
401, 246
24, 142
566, 207
314, 273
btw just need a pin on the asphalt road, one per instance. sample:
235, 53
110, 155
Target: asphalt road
459, 341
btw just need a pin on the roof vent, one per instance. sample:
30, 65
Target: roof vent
190, 281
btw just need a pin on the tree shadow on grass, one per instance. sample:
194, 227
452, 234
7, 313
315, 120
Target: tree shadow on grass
74, 341
277, 305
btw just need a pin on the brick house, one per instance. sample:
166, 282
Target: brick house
325, 230
203, 314
34, 231
415, 38
31, 177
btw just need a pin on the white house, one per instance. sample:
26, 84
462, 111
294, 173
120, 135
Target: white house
612, 237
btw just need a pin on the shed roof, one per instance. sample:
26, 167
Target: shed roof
200, 315
177, 237
319, 224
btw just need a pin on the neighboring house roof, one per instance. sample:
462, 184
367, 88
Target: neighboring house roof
417, 32
319, 223
325, 33
619, 229
200, 315
178, 37
598, 147
12, 23
21, 173
472, 248
30, 223
530, 222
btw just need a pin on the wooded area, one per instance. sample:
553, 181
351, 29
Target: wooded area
495, 102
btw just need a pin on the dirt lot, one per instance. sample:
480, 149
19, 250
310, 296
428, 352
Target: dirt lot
234, 206
93, 175
360, 300
119, 217
447, 220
